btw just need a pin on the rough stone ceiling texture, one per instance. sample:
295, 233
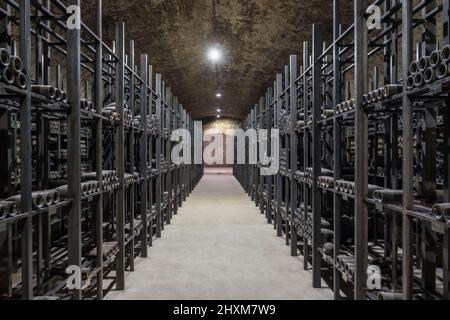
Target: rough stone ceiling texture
257, 37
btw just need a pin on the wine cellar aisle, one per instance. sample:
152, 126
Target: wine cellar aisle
348, 101
219, 248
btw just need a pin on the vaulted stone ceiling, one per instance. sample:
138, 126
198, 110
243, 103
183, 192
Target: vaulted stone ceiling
257, 37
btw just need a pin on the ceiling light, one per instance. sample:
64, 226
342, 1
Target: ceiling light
219, 95
219, 110
214, 54
218, 116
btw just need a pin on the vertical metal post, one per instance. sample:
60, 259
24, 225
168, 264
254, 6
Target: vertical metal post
316, 155
391, 76
149, 159
249, 169
337, 133
99, 151
176, 176
252, 172
361, 154
287, 146
446, 237
269, 179
306, 152
130, 168
163, 148
168, 154
143, 157
279, 104
185, 167
408, 197
255, 166
188, 167
26, 151
120, 154
42, 164
188, 127
429, 151
446, 129
158, 157
192, 166
260, 125
293, 151
180, 175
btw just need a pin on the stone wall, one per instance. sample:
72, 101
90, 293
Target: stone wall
222, 125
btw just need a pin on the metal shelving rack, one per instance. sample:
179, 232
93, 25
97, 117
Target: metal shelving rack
101, 148
363, 178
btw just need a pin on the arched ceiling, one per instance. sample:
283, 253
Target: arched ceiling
257, 37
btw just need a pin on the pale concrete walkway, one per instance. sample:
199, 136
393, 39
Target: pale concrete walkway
219, 247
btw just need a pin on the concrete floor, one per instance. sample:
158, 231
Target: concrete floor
219, 247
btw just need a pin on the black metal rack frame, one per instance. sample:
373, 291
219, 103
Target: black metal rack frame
364, 176
114, 130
